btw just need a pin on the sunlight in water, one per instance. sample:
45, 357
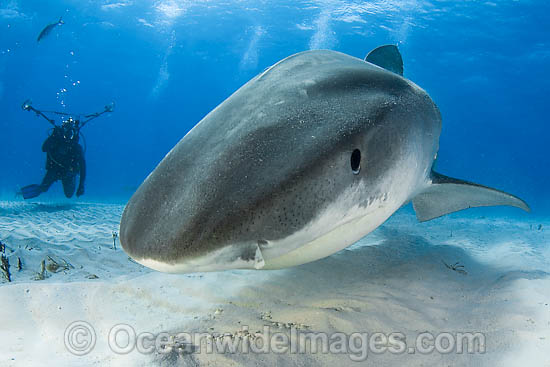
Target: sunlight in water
250, 57
171, 9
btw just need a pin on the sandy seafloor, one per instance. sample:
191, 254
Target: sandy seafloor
393, 280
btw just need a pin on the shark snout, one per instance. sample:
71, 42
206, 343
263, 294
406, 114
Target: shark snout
204, 240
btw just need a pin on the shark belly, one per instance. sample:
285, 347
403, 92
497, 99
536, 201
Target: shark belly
338, 238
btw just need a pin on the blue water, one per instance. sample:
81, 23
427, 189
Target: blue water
167, 63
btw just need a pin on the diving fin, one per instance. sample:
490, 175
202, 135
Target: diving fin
447, 195
31, 191
387, 57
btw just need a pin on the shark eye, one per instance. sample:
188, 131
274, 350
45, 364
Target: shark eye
356, 161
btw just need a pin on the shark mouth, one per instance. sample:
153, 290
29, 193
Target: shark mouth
228, 257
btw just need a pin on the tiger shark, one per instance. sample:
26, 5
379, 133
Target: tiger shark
302, 161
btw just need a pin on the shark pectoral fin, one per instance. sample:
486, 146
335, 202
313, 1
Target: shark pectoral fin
387, 57
447, 195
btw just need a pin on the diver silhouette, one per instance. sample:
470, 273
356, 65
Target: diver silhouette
64, 154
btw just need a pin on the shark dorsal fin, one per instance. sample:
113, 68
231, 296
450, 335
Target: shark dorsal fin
387, 57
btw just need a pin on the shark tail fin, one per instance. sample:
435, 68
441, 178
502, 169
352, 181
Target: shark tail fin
447, 195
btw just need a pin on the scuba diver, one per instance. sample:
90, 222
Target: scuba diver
65, 156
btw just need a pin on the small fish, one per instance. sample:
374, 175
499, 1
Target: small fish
48, 29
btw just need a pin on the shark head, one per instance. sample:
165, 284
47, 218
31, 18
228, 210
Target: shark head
301, 161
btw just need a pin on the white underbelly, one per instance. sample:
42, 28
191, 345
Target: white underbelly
337, 239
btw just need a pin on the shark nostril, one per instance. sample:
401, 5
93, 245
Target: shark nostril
355, 161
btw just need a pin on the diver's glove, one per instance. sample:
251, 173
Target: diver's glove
80, 191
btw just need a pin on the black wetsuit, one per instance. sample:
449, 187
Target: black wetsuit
65, 160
